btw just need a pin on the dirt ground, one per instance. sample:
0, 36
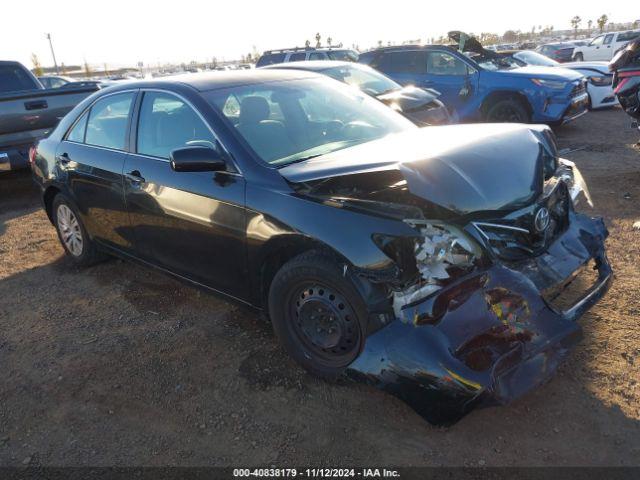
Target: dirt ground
118, 365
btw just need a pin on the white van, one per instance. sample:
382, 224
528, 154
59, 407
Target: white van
604, 46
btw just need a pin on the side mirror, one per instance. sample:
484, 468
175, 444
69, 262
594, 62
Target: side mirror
197, 159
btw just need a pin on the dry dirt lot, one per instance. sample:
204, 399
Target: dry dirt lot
118, 365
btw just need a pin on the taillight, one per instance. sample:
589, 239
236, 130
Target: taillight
32, 156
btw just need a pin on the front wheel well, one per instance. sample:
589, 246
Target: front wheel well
285, 250
496, 97
48, 196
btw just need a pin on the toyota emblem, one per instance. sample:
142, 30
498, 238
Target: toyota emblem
541, 220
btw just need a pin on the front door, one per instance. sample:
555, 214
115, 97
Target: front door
594, 50
453, 78
191, 223
92, 155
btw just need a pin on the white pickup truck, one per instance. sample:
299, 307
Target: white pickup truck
28, 111
603, 47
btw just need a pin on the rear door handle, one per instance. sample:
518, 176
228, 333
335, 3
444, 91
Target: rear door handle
63, 159
36, 105
134, 177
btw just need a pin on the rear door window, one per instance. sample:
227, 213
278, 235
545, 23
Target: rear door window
297, 57
344, 55
13, 78
413, 62
317, 56
628, 36
108, 119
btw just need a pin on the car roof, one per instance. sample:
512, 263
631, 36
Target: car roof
311, 65
206, 81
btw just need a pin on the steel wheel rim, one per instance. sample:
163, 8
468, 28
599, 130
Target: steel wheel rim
70, 231
325, 324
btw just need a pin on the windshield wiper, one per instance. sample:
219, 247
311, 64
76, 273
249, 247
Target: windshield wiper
299, 160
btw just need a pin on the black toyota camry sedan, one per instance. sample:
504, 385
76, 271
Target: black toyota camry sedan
433, 263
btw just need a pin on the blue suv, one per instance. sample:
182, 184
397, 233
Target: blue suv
479, 85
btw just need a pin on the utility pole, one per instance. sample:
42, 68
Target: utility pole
53, 54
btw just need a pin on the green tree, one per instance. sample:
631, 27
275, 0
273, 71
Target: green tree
590, 24
37, 67
602, 21
575, 23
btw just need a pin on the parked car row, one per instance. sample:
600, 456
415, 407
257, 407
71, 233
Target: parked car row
479, 85
469, 81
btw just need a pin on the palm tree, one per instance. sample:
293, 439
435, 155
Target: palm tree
318, 38
575, 23
589, 24
602, 21
329, 40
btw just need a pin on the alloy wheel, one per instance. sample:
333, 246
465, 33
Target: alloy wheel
70, 231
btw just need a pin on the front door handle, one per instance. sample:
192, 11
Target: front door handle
134, 177
36, 105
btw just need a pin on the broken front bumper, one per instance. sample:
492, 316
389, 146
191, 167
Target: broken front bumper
491, 336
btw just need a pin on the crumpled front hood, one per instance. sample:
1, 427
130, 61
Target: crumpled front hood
463, 168
409, 98
548, 73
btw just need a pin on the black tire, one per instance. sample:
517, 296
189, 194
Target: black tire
509, 110
317, 314
578, 57
87, 254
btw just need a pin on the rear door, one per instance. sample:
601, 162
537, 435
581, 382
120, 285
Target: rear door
190, 223
92, 155
407, 67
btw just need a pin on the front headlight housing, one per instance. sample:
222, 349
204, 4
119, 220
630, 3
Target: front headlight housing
601, 80
554, 84
442, 251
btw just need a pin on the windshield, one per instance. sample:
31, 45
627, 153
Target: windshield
364, 78
291, 121
535, 58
